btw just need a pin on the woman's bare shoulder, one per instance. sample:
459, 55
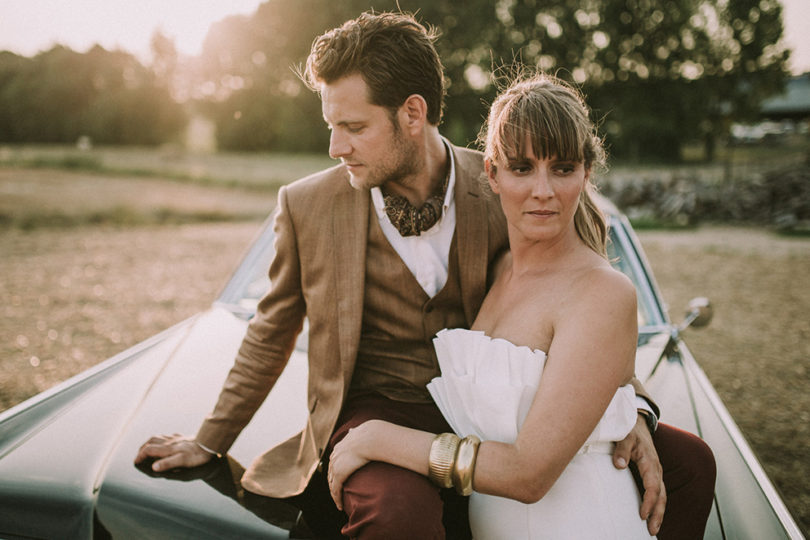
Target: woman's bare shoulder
601, 284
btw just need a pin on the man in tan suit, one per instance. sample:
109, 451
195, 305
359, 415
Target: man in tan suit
379, 254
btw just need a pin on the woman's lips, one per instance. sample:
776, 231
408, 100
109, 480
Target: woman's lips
542, 213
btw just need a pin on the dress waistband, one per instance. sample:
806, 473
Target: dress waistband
598, 447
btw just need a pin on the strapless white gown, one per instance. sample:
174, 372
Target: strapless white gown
486, 389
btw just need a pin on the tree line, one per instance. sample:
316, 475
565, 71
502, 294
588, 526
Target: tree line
657, 73
61, 95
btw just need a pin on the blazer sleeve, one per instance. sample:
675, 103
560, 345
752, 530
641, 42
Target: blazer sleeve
268, 343
642, 393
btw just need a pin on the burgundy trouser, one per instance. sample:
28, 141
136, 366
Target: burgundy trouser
689, 474
387, 502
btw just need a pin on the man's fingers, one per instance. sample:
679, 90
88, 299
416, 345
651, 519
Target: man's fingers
621, 454
652, 509
655, 520
655, 498
651, 496
153, 450
171, 452
652, 480
173, 461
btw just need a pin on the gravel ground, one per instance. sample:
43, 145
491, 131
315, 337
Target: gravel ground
756, 351
75, 297
71, 298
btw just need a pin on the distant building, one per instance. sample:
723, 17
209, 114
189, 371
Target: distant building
792, 104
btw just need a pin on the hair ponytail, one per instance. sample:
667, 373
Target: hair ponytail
590, 222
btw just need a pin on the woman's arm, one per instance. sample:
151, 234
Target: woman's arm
377, 440
591, 355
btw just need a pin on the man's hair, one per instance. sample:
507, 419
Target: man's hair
393, 53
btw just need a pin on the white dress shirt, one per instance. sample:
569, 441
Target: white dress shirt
427, 254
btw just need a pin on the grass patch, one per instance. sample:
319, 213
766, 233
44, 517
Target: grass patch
69, 162
798, 232
119, 216
50, 198
654, 223
94, 165
250, 171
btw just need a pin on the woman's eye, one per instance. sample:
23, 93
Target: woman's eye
520, 168
564, 169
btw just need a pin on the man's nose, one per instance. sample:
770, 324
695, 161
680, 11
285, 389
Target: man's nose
338, 145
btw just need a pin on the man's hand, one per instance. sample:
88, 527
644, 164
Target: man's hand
638, 447
172, 451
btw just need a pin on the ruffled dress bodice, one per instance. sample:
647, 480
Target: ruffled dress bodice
488, 384
486, 388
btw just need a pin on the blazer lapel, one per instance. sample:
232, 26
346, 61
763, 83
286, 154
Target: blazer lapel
471, 235
350, 236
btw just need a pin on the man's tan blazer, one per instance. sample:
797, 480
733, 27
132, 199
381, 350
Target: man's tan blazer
318, 272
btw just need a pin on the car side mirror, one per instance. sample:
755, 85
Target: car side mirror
699, 313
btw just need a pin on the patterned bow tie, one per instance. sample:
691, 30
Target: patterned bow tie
411, 221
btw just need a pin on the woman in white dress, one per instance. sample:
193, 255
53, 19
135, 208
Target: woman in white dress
542, 377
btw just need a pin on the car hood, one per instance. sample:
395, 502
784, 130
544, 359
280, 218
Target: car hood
68, 453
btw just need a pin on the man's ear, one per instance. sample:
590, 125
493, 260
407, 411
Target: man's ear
491, 169
413, 113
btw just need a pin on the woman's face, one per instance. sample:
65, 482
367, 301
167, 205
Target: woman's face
538, 196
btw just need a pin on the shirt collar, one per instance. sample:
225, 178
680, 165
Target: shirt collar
377, 196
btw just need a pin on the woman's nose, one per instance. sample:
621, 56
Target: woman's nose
541, 185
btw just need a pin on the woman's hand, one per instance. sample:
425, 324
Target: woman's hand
349, 454
377, 440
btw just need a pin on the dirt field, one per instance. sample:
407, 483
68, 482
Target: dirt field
71, 297
756, 351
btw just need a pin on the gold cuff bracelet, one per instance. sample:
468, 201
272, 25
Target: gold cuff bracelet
464, 465
442, 459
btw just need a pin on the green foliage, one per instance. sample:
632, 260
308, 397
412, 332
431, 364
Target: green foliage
61, 95
658, 73
258, 102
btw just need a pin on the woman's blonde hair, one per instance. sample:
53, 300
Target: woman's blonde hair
556, 119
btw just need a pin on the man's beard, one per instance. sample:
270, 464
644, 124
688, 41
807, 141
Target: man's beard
403, 165
406, 164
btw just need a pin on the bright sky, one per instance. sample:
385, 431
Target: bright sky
30, 26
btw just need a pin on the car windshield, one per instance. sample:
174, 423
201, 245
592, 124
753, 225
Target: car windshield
250, 282
625, 255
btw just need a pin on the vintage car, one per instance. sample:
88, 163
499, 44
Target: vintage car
66, 455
